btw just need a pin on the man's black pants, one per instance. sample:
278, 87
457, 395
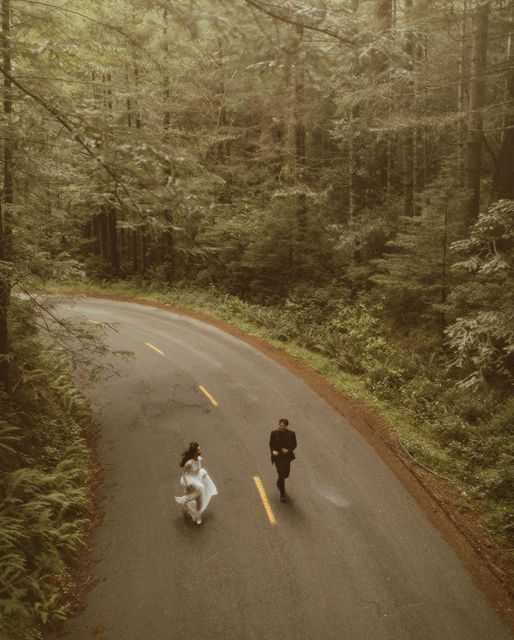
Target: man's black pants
283, 465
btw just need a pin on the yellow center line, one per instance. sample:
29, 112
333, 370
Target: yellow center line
265, 501
207, 394
154, 348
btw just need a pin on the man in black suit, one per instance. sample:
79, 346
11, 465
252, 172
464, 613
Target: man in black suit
282, 443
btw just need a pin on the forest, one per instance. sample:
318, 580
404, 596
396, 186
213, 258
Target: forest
336, 175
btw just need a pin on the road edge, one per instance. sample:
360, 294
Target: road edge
491, 572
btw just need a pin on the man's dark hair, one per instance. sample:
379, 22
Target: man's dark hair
284, 421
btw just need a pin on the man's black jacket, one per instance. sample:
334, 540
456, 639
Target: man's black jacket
279, 440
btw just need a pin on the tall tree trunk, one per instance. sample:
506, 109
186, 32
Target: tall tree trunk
300, 146
503, 184
298, 157
383, 17
101, 227
109, 212
389, 156
444, 267
353, 156
409, 173
139, 246
7, 196
415, 144
462, 92
421, 140
289, 164
168, 241
143, 251
114, 253
107, 86
383, 10
409, 148
351, 171
135, 252
130, 251
104, 223
136, 85
476, 104
128, 100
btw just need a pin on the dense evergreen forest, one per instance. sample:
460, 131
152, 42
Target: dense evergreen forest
340, 173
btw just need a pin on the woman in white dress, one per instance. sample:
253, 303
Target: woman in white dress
198, 486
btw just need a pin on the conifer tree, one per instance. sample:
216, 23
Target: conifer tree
482, 337
414, 279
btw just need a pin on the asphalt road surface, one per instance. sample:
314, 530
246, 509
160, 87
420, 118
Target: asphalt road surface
350, 557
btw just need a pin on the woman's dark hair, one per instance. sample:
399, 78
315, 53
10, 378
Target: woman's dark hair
189, 453
284, 421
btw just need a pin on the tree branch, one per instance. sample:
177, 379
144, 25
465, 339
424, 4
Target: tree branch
300, 23
69, 127
83, 15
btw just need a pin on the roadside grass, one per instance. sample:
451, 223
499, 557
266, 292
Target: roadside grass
463, 437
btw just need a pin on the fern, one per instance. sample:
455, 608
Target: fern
43, 497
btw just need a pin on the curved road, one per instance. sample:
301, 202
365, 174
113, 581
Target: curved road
351, 556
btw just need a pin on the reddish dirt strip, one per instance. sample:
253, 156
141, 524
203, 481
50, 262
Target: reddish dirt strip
491, 570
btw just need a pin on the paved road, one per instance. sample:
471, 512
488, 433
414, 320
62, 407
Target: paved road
351, 556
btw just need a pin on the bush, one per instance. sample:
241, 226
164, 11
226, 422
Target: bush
43, 485
385, 380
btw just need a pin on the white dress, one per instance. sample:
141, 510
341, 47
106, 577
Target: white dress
199, 489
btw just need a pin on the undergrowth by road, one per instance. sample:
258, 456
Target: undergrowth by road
406, 409
46, 471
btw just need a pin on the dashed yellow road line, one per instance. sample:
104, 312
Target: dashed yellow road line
265, 501
208, 395
154, 348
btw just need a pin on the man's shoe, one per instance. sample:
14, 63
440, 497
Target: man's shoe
283, 498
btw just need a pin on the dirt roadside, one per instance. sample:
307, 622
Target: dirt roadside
492, 571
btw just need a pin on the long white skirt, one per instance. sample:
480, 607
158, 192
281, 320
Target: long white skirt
196, 498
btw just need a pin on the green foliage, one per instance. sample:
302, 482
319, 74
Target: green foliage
414, 279
483, 341
352, 338
292, 169
466, 438
44, 503
485, 456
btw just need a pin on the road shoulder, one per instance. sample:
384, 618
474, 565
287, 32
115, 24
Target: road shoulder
491, 570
